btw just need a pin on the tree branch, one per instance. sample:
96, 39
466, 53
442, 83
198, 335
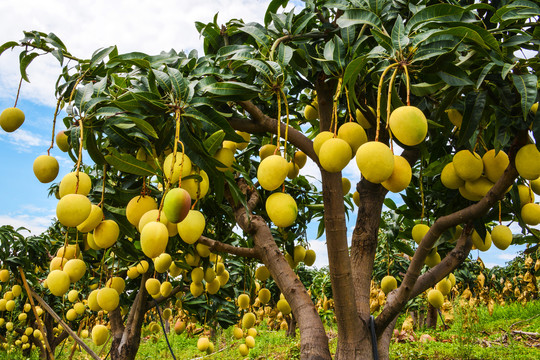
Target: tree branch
218, 246
403, 293
161, 299
263, 123
451, 261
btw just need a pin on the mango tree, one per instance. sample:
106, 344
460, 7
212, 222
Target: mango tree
450, 87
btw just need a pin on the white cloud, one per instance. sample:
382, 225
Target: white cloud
35, 221
322, 253
24, 140
507, 256
142, 25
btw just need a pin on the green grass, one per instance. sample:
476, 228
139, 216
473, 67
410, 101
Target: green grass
475, 334
466, 338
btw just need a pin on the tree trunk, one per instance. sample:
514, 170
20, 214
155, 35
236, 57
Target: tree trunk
348, 322
313, 342
291, 326
126, 339
431, 318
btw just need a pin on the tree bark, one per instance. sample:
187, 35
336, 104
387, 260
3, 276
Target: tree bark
126, 339
339, 263
431, 318
313, 342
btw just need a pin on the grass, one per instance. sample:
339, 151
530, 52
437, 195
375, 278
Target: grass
474, 334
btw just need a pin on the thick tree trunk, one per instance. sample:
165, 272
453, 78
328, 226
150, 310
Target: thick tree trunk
431, 317
363, 249
126, 339
313, 340
339, 262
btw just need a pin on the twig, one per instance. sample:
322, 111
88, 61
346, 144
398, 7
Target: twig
214, 353
529, 319
38, 319
47, 308
518, 332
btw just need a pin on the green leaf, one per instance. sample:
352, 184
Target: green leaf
474, 108
526, 86
383, 40
353, 70
483, 74
231, 91
262, 68
377, 6
25, 60
300, 23
455, 76
272, 9
389, 203
100, 54
143, 125
213, 143
84, 96
399, 37
180, 85
163, 80
435, 13
359, 16
92, 149
128, 163
423, 89
55, 41
258, 33
8, 45
506, 69
516, 10
284, 54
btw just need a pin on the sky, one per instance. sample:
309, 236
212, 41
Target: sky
142, 25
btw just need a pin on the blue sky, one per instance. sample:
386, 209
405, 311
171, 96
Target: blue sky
133, 26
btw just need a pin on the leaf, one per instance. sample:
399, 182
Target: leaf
143, 125
284, 54
91, 147
231, 91
474, 108
383, 40
262, 68
301, 22
258, 33
338, 52
526, 86
84, 96
55, 41
353, 70
128, 163
389, 203
399, 37
483, 74
435, 13
423, 89
272, 9
359, 16
163, 80
506, 69
8, 45
25, 60
101, 54
213, 143
455, 76
180, 85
